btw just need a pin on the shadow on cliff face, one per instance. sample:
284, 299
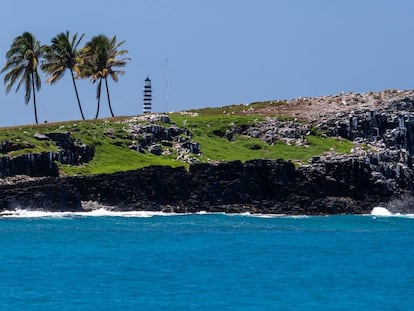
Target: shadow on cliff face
44, 164
402, 205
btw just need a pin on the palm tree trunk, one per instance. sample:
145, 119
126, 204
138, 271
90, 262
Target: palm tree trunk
98, 96
34, 98
109, 99
77, 95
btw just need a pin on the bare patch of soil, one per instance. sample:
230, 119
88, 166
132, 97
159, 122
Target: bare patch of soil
315, 109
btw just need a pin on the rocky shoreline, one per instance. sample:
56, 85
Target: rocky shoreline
259, 186
378, 172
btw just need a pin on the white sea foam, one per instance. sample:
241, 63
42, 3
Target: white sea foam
248, 214
203, 213
107, 212
258, 215
21, 213
384, 212
101, 212
380, 211
262, 215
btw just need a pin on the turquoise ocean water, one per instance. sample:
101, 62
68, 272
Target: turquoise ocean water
206, 262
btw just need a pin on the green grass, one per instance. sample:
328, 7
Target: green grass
218, 148
109, 159
111, 141
237, 109
206, 124
109, 137
24, 137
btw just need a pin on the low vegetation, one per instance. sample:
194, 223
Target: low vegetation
116, 148
237, 109
215, 148
112, 142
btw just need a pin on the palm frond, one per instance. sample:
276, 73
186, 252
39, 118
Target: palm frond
12, 78
37, 80
15, 72
22, 63
21, 82
75, 45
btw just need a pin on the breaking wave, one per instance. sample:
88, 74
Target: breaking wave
384, 212
94, 210
104, 212
101, 212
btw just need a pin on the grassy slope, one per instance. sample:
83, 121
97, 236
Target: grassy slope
217, 148
111, 142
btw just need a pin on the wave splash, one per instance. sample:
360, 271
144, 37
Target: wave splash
384, 212
93, 209
105, 212
101, 212
380, 211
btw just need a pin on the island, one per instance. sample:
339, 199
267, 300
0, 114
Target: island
337, 154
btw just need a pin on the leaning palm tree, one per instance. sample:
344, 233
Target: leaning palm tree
21, 65
100, 57
63, 55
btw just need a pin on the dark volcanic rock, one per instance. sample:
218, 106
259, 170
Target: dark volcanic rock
72, 152
39, 164
378, 172
44, 164
155, 149
7, 146
259, 186
40, 136
389, 129
50, 194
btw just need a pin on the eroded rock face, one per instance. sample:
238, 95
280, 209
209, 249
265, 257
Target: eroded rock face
273, 130
7, 146
37, 165
389, 131
151, 136
155, 149
49, 194
43, 164
72, 152
337, 186
378, 172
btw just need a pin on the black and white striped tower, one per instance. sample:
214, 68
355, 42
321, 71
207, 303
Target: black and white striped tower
147, 95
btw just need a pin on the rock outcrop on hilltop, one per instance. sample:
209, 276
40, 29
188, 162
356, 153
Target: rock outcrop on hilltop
44, 164
378, 171
151, 136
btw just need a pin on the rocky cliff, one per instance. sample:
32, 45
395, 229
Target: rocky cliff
378, 171
44, 163
259, 186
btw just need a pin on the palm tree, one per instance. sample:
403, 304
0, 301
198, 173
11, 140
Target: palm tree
100, 58
22, 62
63, 55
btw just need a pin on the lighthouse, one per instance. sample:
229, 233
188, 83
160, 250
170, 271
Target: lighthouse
147, 95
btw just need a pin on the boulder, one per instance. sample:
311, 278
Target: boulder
7, 146
155, 149
40, 136
165, 119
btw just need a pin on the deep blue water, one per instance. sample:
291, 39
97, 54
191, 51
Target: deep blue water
207, 262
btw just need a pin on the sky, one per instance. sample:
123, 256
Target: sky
208, 53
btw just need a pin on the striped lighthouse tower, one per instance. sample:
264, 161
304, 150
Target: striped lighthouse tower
147, 95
